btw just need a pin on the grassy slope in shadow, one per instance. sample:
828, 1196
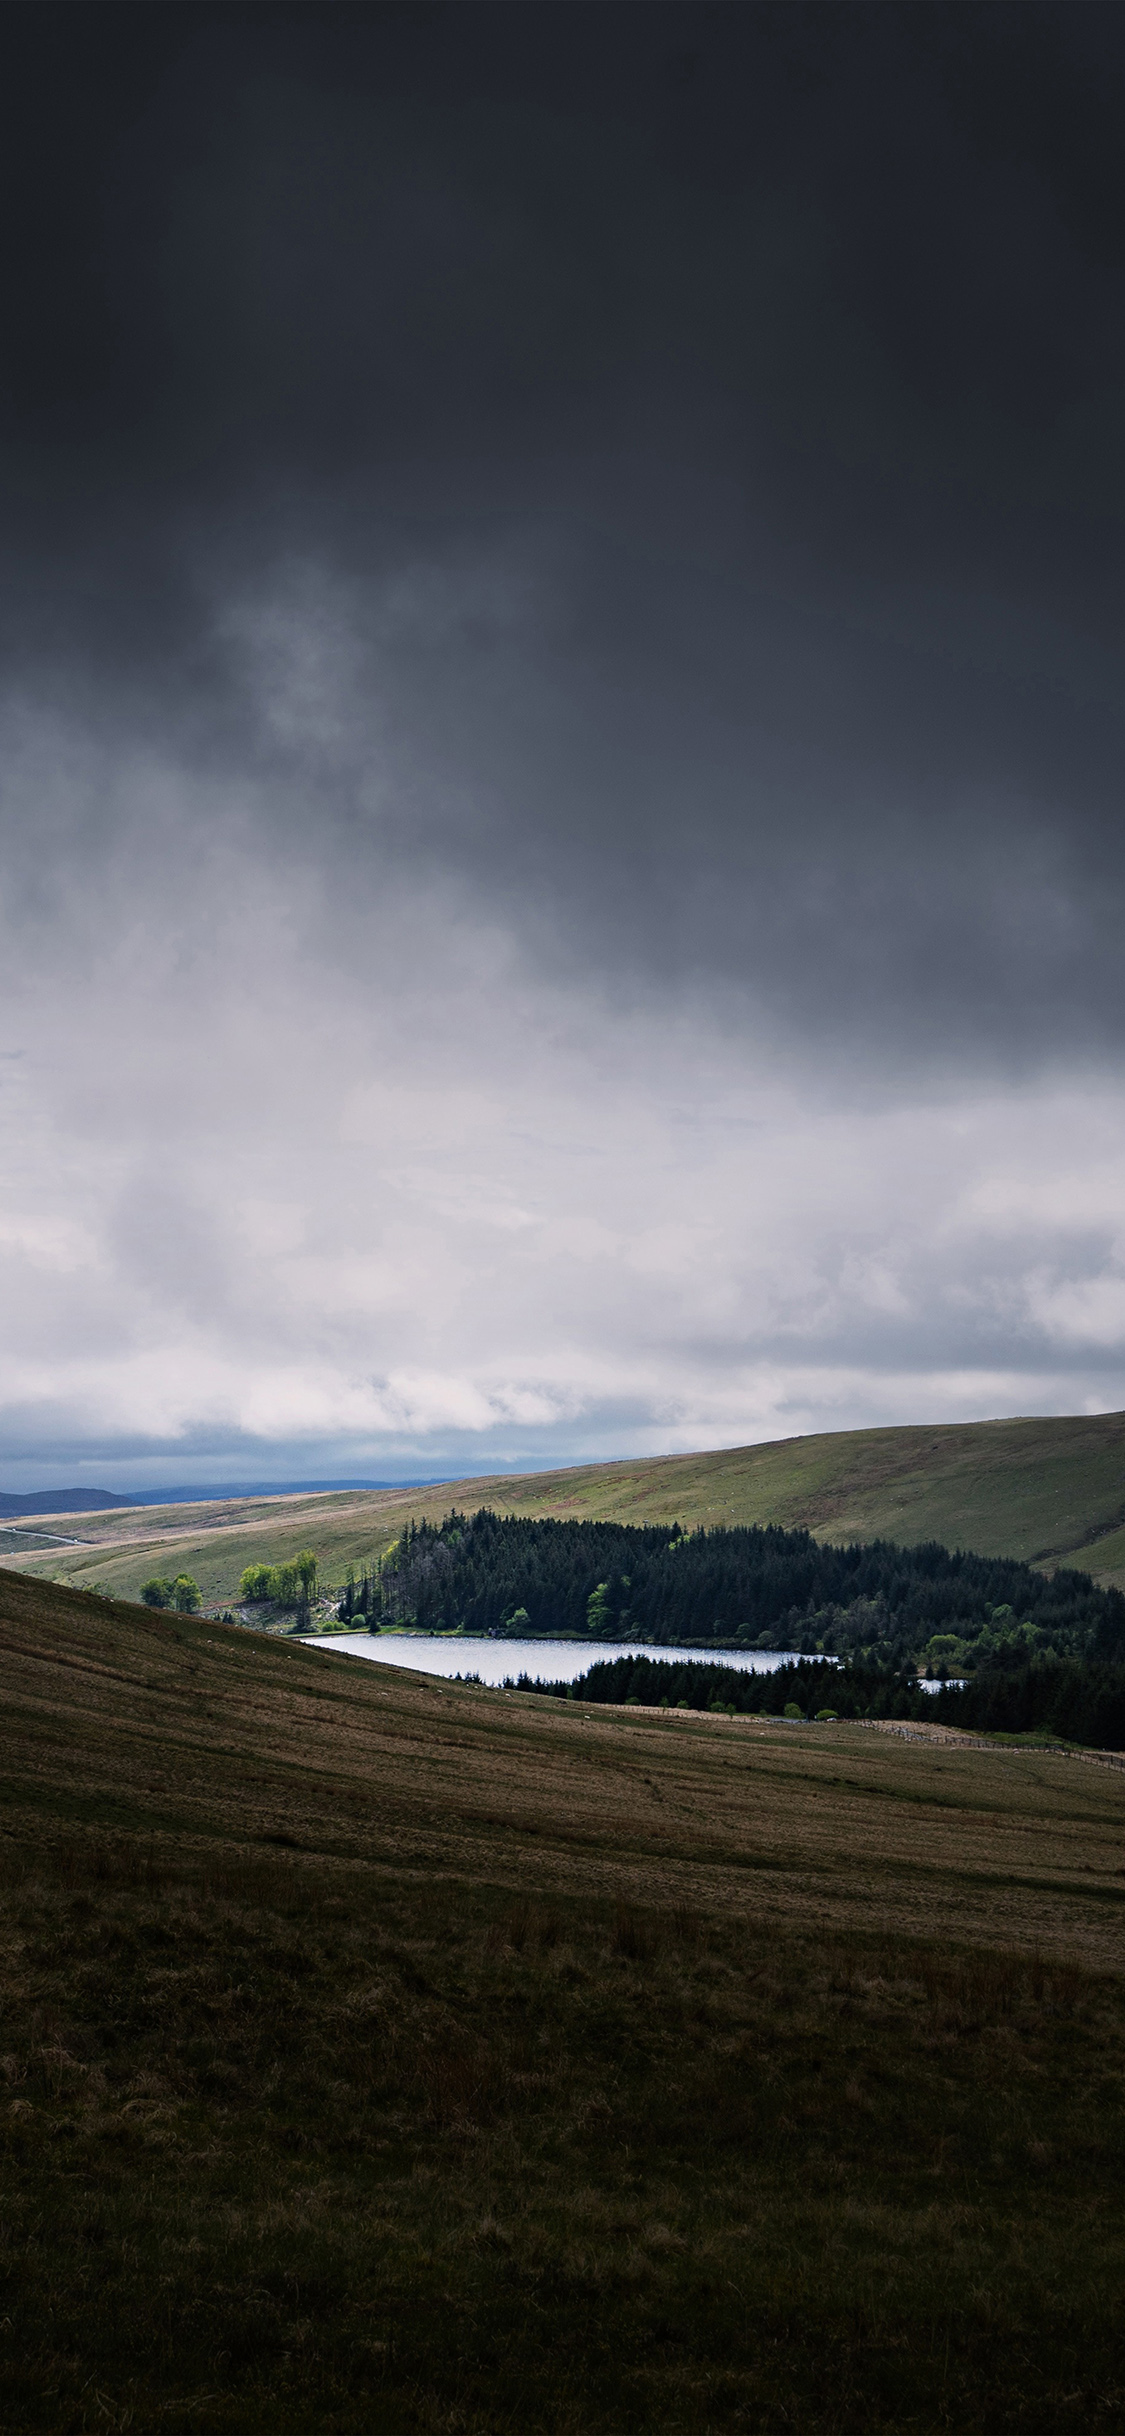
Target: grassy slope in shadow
381, 2053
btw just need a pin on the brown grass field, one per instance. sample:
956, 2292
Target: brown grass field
382, 2054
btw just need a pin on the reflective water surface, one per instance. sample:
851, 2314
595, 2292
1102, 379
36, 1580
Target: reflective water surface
553, 1661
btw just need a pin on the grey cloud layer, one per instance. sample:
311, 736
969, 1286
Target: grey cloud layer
562, 568
708, 423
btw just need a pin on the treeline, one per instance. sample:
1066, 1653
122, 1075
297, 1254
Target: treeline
361, 1602
1071, 1700
948, 1610
1077, 1701
290, 1585
808, 1687
183, 1593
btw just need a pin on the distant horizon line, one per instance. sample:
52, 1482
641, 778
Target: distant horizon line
13, 1501
77, 1499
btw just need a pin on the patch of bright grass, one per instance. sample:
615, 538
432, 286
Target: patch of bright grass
1047, 1489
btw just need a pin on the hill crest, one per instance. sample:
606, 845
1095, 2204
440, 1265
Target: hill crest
1050, 1490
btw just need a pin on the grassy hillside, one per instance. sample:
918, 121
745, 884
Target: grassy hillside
382, 2053
1049, 1491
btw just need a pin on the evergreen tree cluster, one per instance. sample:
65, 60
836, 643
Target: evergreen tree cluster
361, 1603
1070, 1700
1075, 1700
951, 1611
809, 1684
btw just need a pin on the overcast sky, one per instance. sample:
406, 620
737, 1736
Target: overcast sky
561, 730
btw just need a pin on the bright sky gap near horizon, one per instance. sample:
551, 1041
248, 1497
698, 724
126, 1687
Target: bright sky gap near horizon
561, 731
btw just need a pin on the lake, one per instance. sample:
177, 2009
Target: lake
555, 1661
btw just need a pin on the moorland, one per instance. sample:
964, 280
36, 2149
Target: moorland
1050, 1491
385, 2052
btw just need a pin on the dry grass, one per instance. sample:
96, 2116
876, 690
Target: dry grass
212, 1735
381, 2054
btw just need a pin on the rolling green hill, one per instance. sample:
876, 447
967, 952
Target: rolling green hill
1049, 1490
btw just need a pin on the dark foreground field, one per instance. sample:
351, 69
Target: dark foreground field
383, 2055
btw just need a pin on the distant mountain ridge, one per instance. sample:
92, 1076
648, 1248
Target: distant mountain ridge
60, 1501
98, 1501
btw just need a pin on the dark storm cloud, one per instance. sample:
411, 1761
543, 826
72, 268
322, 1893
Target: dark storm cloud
560, 728
704, 424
